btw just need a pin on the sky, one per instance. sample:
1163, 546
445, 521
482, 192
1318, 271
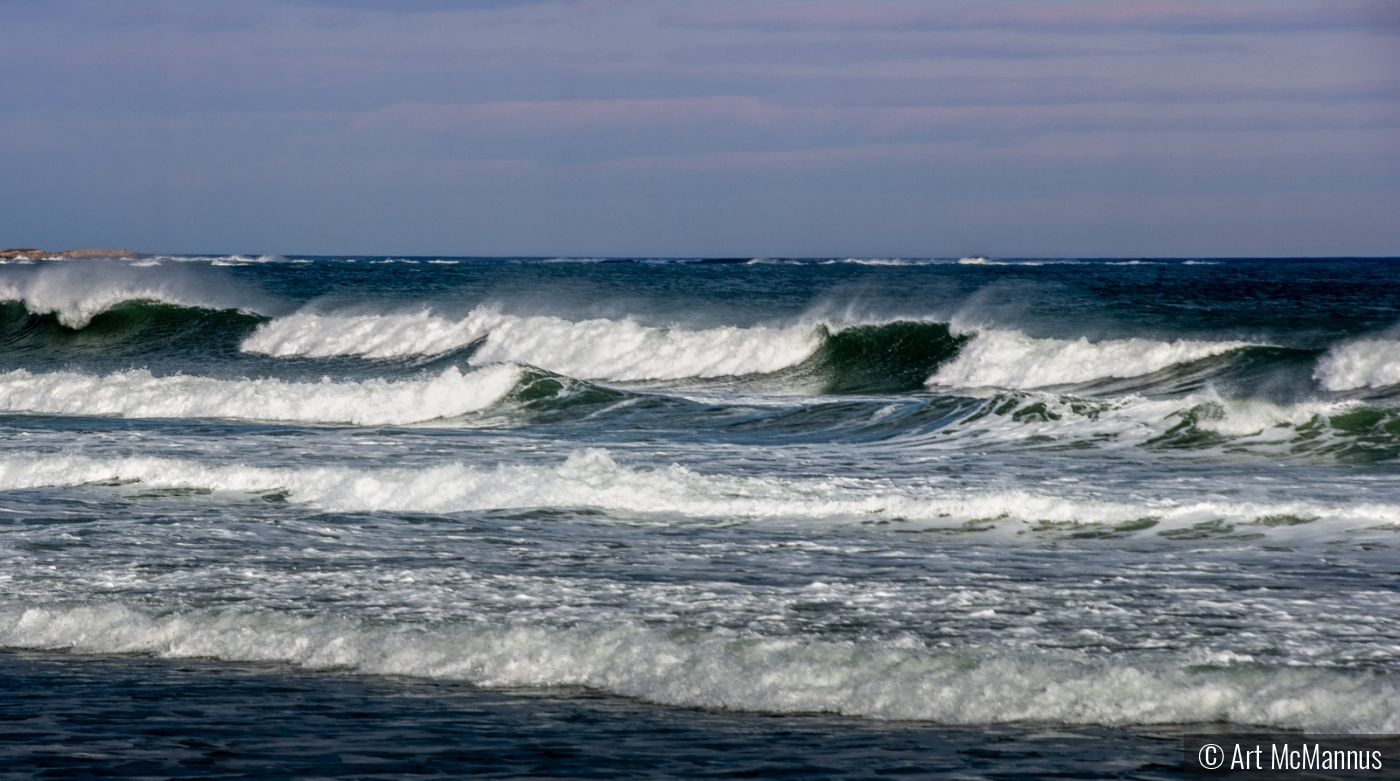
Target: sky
735, 128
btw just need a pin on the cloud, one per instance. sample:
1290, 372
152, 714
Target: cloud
564, 122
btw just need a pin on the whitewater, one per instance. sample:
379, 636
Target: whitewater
1098, 498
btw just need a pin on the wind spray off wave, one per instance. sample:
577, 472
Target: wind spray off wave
77, 291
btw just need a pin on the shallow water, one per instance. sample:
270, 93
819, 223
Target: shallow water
160, 719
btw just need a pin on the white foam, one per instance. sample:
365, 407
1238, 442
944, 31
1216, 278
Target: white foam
887, 679
77, 291
592, 479
139, 394
314, 335
1248, 424
1010, 359
598, 349
1366, 363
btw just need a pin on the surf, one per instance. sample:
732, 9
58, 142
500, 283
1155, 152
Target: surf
592, 479
138, 393
889, 679
997, 358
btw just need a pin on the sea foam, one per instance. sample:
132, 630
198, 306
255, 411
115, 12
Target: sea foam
1010, 359
139, 394
598, 349
593, 479
1249, 425
902, 678
1366, 363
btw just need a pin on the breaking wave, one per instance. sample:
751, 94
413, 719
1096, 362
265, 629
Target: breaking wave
1366, 363
843, 356
90, 307
312, 335
77, 291
592, 479
139, 394
1013, 360
601, 349
130, 328
898, 679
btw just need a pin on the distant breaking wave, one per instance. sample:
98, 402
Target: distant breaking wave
77, 291
139, 394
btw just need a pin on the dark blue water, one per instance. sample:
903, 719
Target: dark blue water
359, 516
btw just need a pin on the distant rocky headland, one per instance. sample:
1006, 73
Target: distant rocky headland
29, 253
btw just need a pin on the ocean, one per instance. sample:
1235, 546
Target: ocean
387, 517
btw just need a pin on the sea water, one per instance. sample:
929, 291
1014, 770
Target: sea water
829, 517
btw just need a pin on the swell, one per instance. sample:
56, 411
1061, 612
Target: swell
901, 679
1204, 424
886, 358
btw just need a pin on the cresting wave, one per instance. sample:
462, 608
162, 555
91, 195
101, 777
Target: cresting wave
592, 479
1195, 422
1200, 422
1010, 359
139, 394
902, 679
618, 350
624, 350
77, 291
1365, 363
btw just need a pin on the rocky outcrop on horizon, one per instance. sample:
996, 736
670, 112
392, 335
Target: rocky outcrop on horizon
30, 253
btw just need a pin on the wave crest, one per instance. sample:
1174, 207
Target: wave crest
599, 349
77, 291
900, 679
139, 394
1366, 363
1013, 360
